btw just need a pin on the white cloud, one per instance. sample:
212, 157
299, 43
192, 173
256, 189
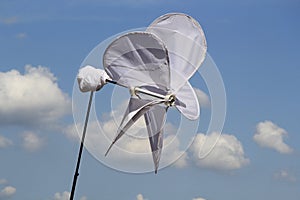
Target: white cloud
71, 131
5, 142
198, 198
139, 197
131, 151
65, 196
285, 176
202, 98
271, 136
173, 151
83, 198
7, 192
32, 98
62, 196
3, 181
227, 154
32, 142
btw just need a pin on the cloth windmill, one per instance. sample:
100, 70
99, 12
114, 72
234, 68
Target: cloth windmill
155, 65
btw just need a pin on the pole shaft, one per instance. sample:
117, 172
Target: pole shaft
76, 174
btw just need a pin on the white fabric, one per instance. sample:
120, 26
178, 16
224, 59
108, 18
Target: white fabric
155, 120
186, 44
136, 108
161, 60
91, 79
138, 59
187, 95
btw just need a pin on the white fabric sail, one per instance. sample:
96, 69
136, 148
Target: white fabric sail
161, 61
186, 44
138, 59
189, 105
155, 120
136, 108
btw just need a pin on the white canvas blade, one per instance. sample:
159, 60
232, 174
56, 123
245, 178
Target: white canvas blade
136, 108
186, 44
155, 120
187, 102
138, 59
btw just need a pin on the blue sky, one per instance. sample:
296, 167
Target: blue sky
255, 46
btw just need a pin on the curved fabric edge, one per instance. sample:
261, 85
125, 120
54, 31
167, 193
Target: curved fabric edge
138, 58
155, 120
190, 106
136, 108
186, 43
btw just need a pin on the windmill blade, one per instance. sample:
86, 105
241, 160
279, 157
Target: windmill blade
155, 120
186, 44
187, 102
137, 59
136, 108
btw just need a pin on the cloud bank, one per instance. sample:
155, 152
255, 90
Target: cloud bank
32, 98
129, 152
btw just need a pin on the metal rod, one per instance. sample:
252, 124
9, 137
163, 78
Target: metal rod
140, 90
81, 147
147, 92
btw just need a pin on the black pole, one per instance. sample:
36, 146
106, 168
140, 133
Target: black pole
81, 147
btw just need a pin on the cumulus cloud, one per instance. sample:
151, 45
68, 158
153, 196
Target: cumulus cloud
285, 176
7, 192
132, 151
172, 152
270, 135
198, 198
139, 197
202, 98
227, 154
61, 196
32, 98
32, 142
65, 196
5, 142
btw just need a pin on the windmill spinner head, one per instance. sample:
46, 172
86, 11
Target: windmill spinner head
155, 65
179, 41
